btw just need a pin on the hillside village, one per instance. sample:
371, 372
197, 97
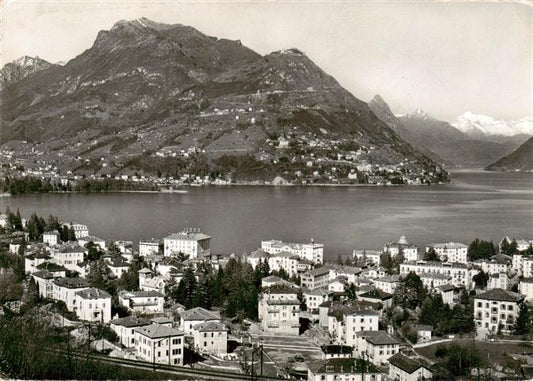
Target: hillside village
400, 312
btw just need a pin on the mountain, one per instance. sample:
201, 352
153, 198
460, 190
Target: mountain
454, 146
147, 90
480, 126
385, 114
21, 68
519, 160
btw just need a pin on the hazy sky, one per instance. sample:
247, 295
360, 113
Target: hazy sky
446, 58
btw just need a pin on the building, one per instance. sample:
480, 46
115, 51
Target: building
211, 338
118, 266
336, 351
432, 280
314, 298
150, 282
461, 274
256, 257
316, 278
409, 250
279, 310
497, 280
376, 296
33, 261
100, 242
338, 285
387, 284
159, 344
143, 302
125, 328
45, 282
149, 247
379, 346
195, 316
312, 251
492, 266
368, 256
521, 244
51, 238
190, 242
350, 273
424, 333
93, 304
403, 368
496, 310
450, 252
446, 292
284, 260
68, 255
79, 230
345, 320
65, 289
525, 287
346, 369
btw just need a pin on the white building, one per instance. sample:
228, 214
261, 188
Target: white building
45, 282
388, 283
461, 274
312, 251
450, 251
372, 256
492, 266
79, 230
143, 302
497, 280
51, 238
118, 266
432, 280
256, 257
279, 310
496, 309
211, 338
316, 278
189, 242
159, 344
100, 242
65, 289
68, 255
345, 320
379, 346
446, 292
284, 260
403, 368
32, 261
409, 250
192, 317
94, 305
350, 273
149, 247
314, 298
125, 328
525, 287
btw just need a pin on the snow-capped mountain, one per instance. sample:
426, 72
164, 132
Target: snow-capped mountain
477, 125
21, 68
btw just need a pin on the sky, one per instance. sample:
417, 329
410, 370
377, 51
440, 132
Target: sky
443, 57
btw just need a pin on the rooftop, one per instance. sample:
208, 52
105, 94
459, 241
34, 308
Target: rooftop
210, 326
405, 363
448, 245
187, 236
378, 337
140, 294
499, 294
71, 282
341, 365
131, 321
93, 293
199, 313
155, 331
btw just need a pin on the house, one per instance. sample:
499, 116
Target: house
210, 337
51, 238
190, 242
346, 369
125, 328
32, 261
159, 344
446, 292
314, 298
521, 244
525, 287
65, 289
387, 284
461, 274
338, 285
315, 278
149, 247
312, 251
284, 260
350, 273
80, 230
346, 319
195, 316
337, 351
150, 282
424, 332
93, 304
496, 310
118, 266
68, 255
497, 280
409, 250
162, 320
272, 280
450, 252
377, 296
496, 264
256, 257
143, 302
432, 280
100, 242
379, 346
403, 368
279, 310
44, 280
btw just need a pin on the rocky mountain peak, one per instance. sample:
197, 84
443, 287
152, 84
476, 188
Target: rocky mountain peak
21, 68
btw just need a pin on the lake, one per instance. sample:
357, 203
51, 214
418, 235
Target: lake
484, 205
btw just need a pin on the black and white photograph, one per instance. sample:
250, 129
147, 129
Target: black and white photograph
322, 190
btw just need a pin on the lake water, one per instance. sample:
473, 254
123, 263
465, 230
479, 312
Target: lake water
486, 205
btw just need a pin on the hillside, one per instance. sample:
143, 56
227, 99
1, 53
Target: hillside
146, 93
21, 68
519, 160
453, 146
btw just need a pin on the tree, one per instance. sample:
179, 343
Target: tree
186, 289
481, 279
431, 255
523, 321
410, 292
459, 360
101, 277
480, 249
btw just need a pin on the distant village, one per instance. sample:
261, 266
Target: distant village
400, 312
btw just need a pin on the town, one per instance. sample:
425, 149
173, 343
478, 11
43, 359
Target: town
442, 310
